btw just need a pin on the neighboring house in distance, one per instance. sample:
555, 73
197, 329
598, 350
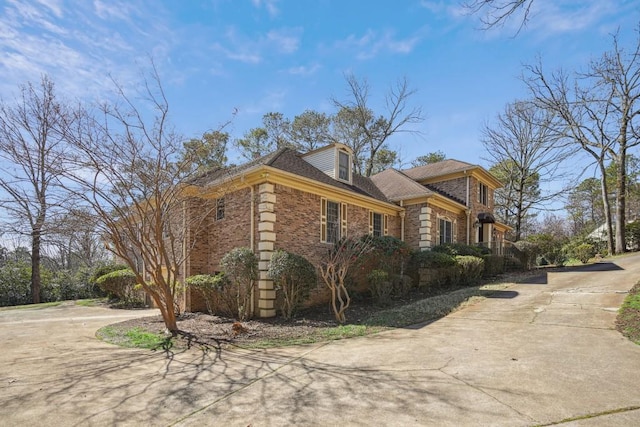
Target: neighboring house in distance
303, 203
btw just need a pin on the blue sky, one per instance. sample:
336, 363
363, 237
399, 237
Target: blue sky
258, 56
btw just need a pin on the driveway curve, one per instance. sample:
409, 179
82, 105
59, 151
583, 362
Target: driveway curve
543, 352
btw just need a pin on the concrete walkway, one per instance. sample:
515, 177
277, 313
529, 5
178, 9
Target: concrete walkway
539, 353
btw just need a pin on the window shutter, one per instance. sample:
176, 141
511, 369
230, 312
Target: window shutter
454, 232
371, 223
386, 225
323, 219
343, 220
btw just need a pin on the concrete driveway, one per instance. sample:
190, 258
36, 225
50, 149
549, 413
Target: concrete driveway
539, 353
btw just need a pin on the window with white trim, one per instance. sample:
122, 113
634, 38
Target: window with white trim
333, 221
445, 231
483, 194
219, 209
344, 166
378, 224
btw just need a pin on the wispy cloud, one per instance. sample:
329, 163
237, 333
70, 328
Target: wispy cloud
241, 47
78, 47
563, 17
271, 100
372, 44
270, 6
304, 70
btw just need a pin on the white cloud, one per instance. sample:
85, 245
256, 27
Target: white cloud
269, 5
77, 47
240, 47
304, 70
53, 5
372, 44
286, 41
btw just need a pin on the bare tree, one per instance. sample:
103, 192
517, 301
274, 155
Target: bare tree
523, 146
74, 241
497, 12
374, 132
32, 155
334, 268
599, 110
132, 172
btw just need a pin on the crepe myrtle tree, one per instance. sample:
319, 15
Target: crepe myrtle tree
334, 268
133, 174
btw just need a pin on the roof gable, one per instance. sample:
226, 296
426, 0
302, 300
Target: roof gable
396, 186
449, 169
289, 160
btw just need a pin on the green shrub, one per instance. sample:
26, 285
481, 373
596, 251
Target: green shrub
460, 249
101, 271
471, 268
527, 253
121, 285
632, 231
549, 249
15, 283
379, 285
431, 259
293, 277
584, 252
240, 265
428, 268
494, 265
387, 253
402, 284
211, 288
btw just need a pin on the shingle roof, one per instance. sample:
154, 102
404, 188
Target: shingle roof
289, 160
433, 170
397, 186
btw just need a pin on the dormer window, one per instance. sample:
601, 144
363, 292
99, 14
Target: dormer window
335, 160
344, 166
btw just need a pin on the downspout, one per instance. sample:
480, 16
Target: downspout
468, 211
186, 296
402, 214
253, 208
252, 238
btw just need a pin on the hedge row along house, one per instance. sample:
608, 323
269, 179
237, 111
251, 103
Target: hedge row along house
303, 203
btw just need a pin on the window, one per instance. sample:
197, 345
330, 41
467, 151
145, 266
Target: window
343, 166
483, 194
445, 231
333, 221
377, 224
219, 209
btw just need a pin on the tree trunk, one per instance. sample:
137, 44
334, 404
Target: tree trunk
606, 208
35, 267
167, 312
621, 191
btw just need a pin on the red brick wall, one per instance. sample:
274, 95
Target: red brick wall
412, 225
233, 231
298, 223
217, 237
456, 187
460, 224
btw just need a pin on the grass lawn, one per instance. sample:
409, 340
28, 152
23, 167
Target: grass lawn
32, 306
628, 321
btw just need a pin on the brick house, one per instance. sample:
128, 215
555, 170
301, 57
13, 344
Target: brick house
305, 202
